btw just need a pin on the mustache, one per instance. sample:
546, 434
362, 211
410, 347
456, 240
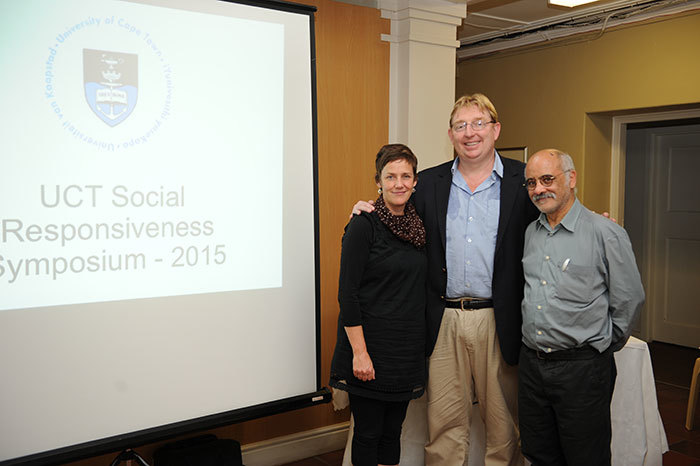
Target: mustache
537, 197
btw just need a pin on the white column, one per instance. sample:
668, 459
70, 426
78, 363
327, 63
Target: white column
422, 76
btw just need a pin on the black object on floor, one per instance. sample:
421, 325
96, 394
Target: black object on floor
205, 450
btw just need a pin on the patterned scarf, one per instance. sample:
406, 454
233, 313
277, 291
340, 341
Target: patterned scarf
407, 227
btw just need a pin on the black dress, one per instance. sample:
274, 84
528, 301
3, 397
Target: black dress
382, 288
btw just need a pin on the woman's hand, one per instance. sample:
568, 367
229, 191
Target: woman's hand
362, 367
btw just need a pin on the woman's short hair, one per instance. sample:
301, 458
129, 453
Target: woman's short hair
480, 101
391, 152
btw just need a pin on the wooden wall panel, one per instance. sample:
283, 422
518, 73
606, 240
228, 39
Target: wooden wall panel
353, 122
352, 72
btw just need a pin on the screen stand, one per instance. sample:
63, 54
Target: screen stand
127, 455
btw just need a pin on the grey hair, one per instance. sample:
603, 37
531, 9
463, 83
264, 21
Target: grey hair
565, 160
567, 163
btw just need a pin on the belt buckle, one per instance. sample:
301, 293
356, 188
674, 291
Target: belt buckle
466, 300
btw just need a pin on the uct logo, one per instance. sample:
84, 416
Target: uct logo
111, 84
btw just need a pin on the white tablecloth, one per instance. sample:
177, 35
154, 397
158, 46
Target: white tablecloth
638, 436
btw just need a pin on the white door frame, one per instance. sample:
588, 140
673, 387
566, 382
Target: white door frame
619, 149
617, 173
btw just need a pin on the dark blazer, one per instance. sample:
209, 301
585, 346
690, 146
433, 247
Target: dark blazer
516, 213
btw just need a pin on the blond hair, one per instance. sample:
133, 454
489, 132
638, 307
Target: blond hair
480, 101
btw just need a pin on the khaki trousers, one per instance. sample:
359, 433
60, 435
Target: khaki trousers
467, 365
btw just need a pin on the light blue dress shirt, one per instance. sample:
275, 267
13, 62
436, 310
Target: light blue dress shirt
471, 228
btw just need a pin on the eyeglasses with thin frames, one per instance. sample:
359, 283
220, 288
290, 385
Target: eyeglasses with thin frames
545, 180
476, 125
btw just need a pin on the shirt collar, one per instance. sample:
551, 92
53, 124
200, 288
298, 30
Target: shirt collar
497, 165
569, 221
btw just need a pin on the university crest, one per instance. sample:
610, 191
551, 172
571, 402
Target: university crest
111, 84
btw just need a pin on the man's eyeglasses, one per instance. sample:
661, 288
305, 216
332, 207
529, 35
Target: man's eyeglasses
545, 180
476, 125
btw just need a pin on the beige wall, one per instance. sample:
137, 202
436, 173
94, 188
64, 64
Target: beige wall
352, 70
564, 96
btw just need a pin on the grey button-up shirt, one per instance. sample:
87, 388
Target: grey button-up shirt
582, 286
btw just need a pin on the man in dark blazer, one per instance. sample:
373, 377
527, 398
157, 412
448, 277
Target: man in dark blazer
431, 199
475, 210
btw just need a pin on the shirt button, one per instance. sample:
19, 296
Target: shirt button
468, 285
549, 350
539, 332
546, 258
471, 218
469, 240
544, 282
539, 307
469, 262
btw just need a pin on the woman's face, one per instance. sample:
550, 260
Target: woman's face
397, 182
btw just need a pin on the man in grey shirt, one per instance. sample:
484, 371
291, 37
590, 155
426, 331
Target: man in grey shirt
582, 294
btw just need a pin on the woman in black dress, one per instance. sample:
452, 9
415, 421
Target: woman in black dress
379, 357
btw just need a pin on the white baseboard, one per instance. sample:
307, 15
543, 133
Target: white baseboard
295, 447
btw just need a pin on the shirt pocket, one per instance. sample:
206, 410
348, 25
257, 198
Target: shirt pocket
575, 284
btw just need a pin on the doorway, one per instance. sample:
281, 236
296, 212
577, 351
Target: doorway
662, 217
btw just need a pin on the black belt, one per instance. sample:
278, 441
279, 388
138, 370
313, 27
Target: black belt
584, 352
468, 304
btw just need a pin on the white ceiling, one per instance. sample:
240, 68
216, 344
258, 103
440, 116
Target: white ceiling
487, 16
494, 25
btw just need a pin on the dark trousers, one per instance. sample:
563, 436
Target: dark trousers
564, 407
377, 435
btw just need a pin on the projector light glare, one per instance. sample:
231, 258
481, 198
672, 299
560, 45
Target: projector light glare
569, 3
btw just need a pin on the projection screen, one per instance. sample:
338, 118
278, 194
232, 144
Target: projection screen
158, 243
